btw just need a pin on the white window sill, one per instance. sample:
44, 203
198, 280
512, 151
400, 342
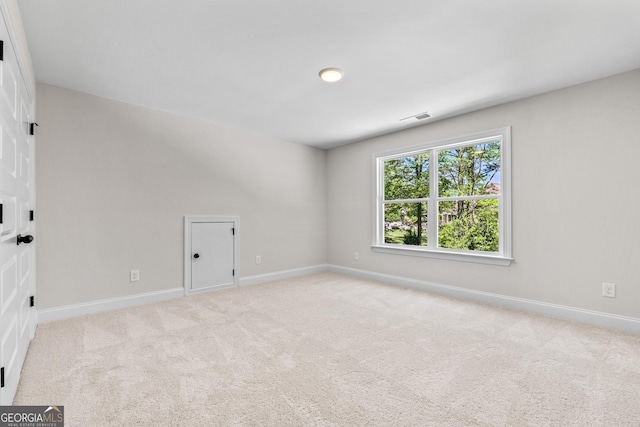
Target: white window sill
482, 258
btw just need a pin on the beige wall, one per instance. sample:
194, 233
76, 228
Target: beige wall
576, 172
115, 180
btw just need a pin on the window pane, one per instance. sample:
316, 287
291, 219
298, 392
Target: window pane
469, 224
469, 171
405, 223
406, 177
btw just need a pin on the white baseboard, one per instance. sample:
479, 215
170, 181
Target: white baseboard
279, 275
75, 310
606, 320
612, 321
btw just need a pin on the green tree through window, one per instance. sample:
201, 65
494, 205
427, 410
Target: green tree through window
470, 224
406, 178
445, 197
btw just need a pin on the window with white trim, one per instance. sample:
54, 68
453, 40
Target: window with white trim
446, 199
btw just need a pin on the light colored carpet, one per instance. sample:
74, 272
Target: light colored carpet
331, 350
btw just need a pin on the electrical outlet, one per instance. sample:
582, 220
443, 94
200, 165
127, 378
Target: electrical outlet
609, 290
258, 259
134, 275
356, 256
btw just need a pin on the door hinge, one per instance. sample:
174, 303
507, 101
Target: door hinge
32, 301
2, 377
1, 50
233, 272
32, 129
30, 215
0, 213
233, 231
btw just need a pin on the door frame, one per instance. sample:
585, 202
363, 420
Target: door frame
25, 317
190, 219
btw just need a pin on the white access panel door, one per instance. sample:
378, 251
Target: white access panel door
212, 255
17, 285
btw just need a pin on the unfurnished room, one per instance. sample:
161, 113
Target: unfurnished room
339, 213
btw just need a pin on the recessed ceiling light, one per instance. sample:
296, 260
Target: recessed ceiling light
331, 75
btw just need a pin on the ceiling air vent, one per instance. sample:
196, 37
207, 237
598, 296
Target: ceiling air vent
420, 116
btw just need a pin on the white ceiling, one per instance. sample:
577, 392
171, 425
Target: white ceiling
253, 64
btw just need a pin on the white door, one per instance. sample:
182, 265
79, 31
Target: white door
17, 285
211, 255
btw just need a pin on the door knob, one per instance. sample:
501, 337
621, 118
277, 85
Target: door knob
196, 256
24, 239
